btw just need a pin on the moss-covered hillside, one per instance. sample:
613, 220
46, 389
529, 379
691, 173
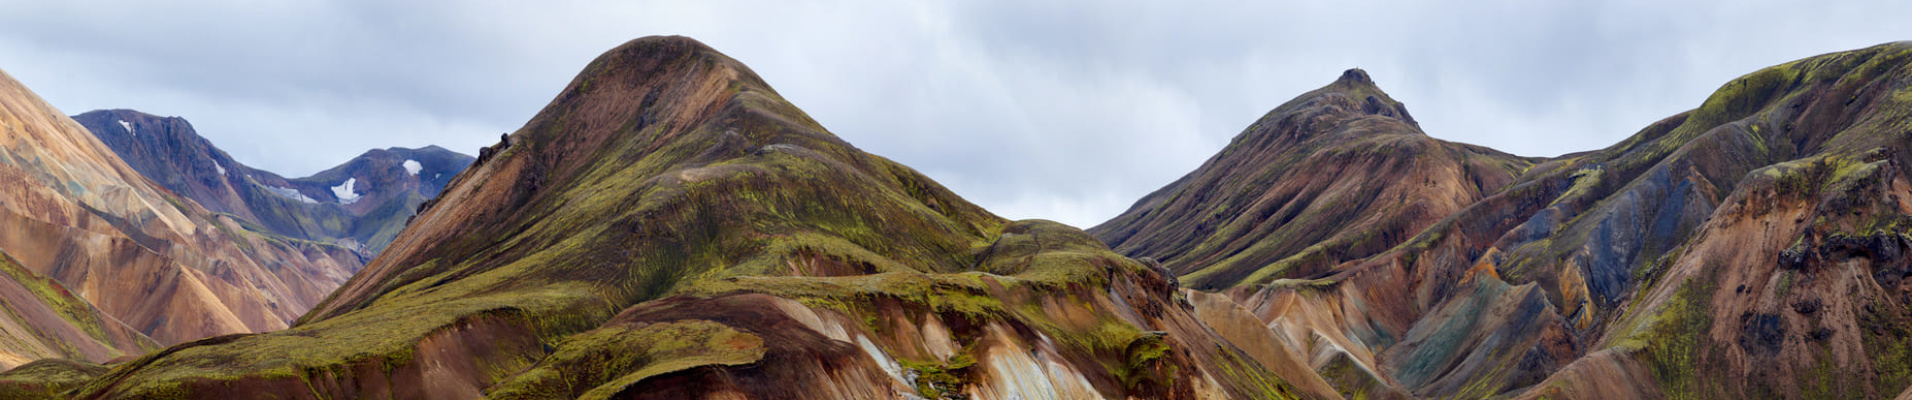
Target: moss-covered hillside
41, 319
670, 227
1334, 175
1750, 248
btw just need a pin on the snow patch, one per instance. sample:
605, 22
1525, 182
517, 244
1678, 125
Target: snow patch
345, 193
221, 168
413, 167
290, 193
129, 128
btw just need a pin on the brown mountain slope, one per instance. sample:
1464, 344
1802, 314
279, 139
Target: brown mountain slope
41, 319
1337, 174
1748, 248
670, 227
176, 272
385, 185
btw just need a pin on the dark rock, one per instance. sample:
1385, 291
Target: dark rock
1820, 335
1356, 75
1794, 258
1806, 307
1761, 334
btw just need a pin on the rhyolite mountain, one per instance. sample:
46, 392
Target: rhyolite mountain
670, 227
73, 212
360, 204
41, 319
1337, 174
1754, 247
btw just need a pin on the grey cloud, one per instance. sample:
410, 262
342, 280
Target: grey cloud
1061, 109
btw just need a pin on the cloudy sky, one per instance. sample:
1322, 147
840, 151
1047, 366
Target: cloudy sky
1063, 110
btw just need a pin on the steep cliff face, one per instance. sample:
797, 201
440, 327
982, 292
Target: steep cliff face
360, 204
1748, 248
670, 227
74, 212
1337, 174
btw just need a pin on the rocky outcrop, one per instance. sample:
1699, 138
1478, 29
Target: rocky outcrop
360, 204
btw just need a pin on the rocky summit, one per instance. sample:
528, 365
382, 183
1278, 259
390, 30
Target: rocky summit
670, 227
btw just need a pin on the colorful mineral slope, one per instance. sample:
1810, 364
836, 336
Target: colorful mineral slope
74, 212
670, 227
40, 319
1752, 247
1337, 174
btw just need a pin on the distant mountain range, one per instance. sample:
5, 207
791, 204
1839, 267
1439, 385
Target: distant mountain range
670, 227
80, 223
360, 204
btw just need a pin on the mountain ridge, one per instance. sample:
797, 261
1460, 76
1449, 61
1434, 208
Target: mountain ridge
1326, 157
159, 263
669, 193
359, 204
1612, 247
669, 227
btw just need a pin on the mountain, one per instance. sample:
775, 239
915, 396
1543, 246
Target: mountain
670, 227
1752, 247
1337, 174
155, 261
360, 204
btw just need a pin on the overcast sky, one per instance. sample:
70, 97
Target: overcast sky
1060, 110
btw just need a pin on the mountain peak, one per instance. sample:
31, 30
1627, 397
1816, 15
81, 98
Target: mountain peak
1355, 90
1355, 76
648, 57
